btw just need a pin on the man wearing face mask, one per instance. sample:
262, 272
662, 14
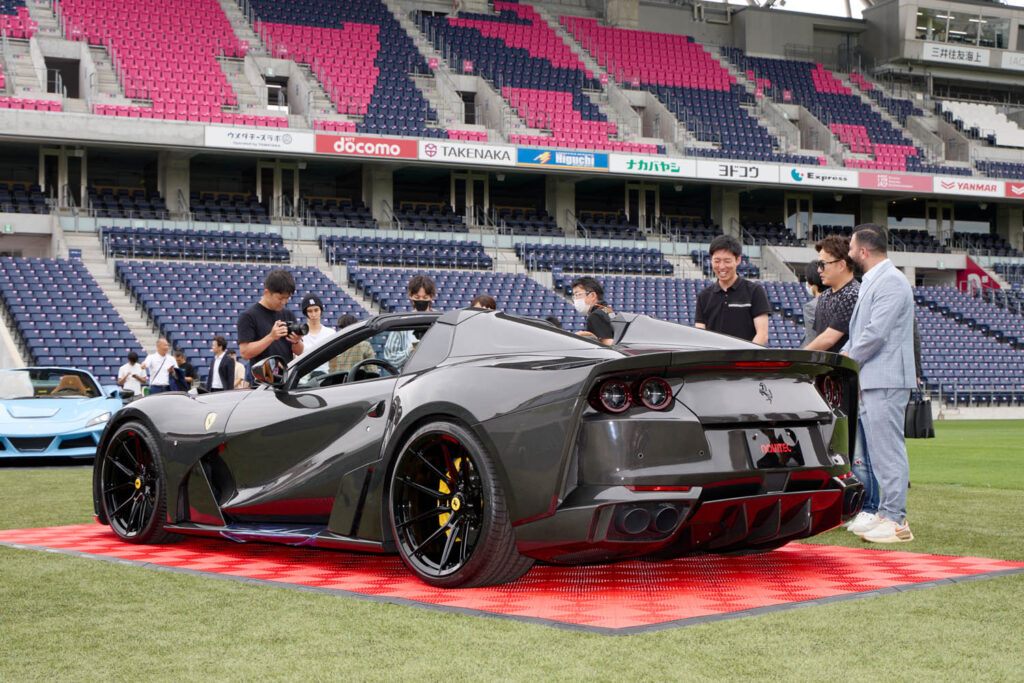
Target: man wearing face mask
588, 300
399, 345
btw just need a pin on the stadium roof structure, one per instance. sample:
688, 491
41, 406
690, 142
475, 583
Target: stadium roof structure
836, 8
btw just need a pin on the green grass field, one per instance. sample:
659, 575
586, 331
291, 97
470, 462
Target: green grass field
78, 619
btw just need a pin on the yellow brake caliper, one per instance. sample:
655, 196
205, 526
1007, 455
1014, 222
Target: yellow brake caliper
442, 518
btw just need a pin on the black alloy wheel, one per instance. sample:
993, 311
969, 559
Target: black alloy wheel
448, 512
133, 487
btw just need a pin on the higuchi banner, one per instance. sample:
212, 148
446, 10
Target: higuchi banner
973, 278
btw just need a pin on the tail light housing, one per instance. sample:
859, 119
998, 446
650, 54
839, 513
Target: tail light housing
617, 395
831, 390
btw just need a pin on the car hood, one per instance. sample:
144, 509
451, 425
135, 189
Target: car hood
18, 411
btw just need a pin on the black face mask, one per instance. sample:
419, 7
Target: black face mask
420, 304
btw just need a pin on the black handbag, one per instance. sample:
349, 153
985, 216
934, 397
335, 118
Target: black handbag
917, 423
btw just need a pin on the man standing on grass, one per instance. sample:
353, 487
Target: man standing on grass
882, 342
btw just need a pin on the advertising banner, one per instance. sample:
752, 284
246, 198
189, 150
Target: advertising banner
738, 171
951, 54
819, 176
560, 158
262, 139
1014, 189
1013, 60
467, 153
639, 164
976, 187
377, 148
895, 181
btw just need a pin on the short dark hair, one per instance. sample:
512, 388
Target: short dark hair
230, 352
484, 301
872, 237
179, 353
346, 319
812, 275
221, 342
418, 282
836, 246
279, 281
552, 320
727, 243
590, 284
133, 357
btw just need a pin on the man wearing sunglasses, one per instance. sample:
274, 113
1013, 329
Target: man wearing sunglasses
835, 305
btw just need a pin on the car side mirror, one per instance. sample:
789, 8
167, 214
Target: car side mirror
123, 394
270, 371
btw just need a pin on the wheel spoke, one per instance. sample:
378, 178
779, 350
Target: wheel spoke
430, 465
433, 512
431, 537
422, 488
131, 514
464, 549
121, 506
449, 544
116, 487
449, 463
131, 456
120, 466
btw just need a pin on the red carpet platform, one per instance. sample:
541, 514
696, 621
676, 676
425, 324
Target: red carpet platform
620, 598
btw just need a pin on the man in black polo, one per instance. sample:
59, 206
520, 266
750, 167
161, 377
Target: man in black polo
733, 305
588, 299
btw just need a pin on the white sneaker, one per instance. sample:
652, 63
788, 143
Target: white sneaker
888, 531
863, 522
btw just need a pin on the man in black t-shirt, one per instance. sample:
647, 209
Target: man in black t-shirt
733, 305
588, 299
263, 327
836, 303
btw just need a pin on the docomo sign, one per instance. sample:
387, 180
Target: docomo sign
380, 148
969, 186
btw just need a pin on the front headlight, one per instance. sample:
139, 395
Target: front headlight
98, 420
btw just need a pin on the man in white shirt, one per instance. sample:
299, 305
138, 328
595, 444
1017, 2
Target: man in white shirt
131, 375
157, 365
222, 371
313, 309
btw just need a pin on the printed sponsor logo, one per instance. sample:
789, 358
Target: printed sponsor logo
1013, 60
938, 52
727, 170
384, 148
652, 165
467, 153
1015, 189
258, 138
969, 186
810, 175
895, 181
767, 448
554, 158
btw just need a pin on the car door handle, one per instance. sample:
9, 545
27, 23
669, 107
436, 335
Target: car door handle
377, 410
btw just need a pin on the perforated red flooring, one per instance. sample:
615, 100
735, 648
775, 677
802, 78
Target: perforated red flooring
618, 598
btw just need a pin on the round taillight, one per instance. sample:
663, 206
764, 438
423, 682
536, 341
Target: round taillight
832, 392
614, 396
655, 393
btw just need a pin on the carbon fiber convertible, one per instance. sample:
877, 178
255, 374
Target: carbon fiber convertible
496, 441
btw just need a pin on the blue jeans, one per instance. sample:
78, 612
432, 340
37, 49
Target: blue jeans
861, 468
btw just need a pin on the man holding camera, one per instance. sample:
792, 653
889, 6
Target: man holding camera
267, 328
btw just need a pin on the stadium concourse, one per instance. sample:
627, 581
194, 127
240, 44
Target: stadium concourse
155, 165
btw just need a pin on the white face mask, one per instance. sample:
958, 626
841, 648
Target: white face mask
581, 305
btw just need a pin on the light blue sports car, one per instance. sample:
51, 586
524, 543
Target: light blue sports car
48, 412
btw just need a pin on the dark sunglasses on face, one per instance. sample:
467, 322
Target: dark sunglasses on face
821, 264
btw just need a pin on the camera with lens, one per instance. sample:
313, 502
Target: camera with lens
301, 329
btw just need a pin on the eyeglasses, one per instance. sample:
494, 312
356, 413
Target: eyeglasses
821, 264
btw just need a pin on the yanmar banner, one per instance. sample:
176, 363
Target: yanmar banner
467, 153
377, 148
975, 187
1015, 190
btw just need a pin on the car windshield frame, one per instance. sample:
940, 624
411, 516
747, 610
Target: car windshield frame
47, 383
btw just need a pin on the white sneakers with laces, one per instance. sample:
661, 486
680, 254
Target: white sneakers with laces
888, 531
863, 522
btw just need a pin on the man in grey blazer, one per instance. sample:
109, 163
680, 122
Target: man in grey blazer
882, 342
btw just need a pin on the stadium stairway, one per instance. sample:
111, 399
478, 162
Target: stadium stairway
241, 26
41, 12
21, 71
102, 272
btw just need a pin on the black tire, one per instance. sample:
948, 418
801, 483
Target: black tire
133, 487
448, 512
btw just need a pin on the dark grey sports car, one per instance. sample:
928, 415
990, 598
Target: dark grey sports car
478, 442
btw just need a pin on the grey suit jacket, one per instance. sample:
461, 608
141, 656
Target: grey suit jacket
882, 330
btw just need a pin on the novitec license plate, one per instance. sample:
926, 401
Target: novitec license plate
775, 447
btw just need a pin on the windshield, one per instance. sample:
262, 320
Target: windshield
46, 383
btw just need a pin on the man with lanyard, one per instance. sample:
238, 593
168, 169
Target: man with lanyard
588, 299
835, 308
733, 305
157, 366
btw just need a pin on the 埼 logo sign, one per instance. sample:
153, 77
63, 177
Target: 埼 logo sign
388, 148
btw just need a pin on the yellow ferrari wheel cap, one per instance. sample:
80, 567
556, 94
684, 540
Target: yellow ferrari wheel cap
138, 483
456, 504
